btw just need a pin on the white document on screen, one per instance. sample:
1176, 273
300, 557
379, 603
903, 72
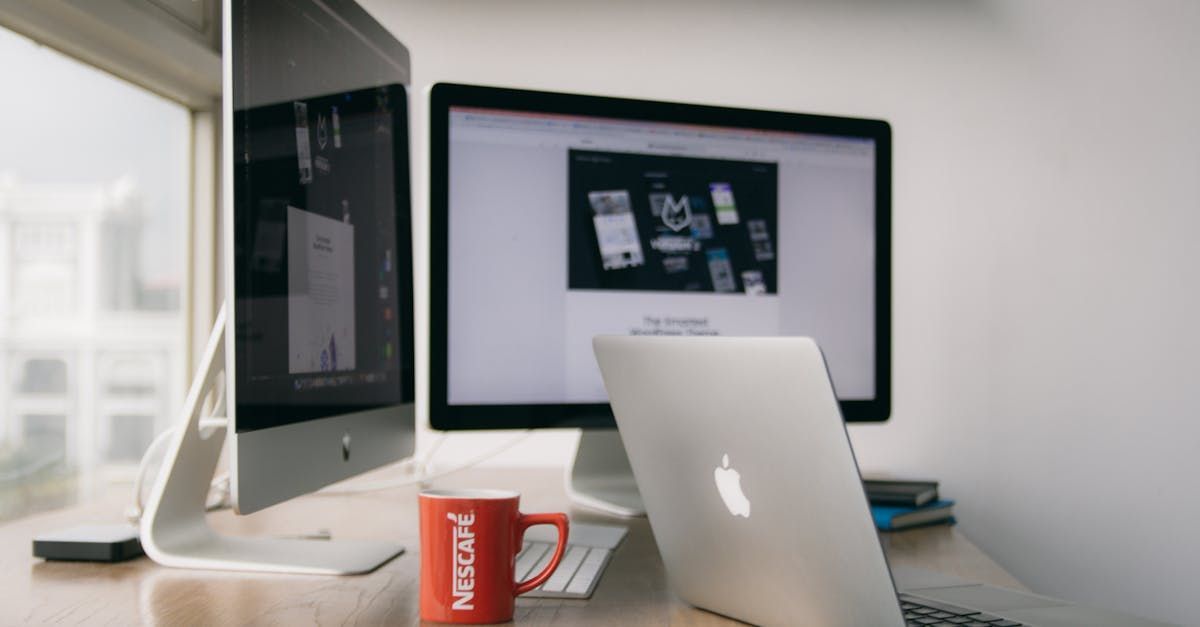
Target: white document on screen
320, 293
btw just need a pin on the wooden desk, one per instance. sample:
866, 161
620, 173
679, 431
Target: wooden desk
632, 591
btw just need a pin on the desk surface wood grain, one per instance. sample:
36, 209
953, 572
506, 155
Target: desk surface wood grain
633, 591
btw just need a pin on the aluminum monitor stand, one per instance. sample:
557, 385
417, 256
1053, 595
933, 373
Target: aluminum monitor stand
174, 529
600, 477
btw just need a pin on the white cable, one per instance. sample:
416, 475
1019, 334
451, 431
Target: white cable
423, 476
426, 464
219, 488
220, 483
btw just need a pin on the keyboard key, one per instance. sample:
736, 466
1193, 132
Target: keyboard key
941, 615
958, 620
592, 566
938, 605
529, 558
1006, 623
986, 618
566, 569
598, 556
580, 584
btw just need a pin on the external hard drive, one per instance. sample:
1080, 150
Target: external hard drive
89, 543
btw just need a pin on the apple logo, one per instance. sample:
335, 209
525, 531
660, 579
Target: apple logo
729, 484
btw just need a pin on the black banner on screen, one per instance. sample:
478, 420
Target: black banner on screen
676, 224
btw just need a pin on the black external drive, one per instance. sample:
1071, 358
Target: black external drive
89, 543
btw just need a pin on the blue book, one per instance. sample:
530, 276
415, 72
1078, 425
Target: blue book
895, 518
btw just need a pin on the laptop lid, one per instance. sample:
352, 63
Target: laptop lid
748, 477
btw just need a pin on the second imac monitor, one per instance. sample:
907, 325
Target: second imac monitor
556, 218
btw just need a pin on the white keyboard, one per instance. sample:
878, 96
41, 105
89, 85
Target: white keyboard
589, 549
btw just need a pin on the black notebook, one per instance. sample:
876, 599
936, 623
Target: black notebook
903, 493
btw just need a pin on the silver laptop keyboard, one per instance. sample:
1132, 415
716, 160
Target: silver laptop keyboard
589, 549
919, 612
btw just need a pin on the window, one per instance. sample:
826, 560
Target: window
49, 430
128, 437
94, 196
44, 376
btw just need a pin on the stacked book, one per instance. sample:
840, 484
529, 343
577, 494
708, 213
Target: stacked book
897, 505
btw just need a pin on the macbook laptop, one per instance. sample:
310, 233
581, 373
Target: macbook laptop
754, 495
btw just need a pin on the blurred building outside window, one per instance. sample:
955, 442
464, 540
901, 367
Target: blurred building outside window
94, 189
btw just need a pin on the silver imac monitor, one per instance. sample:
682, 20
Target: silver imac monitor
318, 350
321, 282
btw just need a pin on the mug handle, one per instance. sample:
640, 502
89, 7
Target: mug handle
528, 520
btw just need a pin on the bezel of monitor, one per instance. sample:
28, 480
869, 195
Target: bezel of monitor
443, 96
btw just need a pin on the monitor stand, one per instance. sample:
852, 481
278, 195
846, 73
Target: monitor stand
600, 478
174, 527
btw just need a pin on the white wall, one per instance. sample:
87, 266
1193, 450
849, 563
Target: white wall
1047, 196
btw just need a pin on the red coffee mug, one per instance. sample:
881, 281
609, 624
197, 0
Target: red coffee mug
469, 545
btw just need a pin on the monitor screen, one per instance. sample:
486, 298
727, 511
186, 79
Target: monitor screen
322, 245
590, 216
